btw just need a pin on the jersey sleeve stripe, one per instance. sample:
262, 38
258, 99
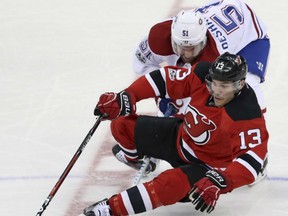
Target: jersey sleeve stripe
152, 84
137, 204
256, 157
252, 161
248, 167
127, 202
256, 23
145, 196
157, 82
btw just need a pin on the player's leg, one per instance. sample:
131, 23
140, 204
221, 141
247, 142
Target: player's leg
156, 137
144, 136
169, 187
123, 130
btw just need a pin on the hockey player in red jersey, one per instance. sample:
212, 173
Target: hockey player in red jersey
202, 35
220, 144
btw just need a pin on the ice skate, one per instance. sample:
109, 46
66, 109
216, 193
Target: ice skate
120, 155
100, 208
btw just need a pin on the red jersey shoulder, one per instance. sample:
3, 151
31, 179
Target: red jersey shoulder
159, 38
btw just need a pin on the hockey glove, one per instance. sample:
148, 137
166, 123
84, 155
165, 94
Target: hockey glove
164, 104
206, 191
114, 105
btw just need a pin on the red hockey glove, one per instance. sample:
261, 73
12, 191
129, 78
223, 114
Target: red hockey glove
206, 191
114, 105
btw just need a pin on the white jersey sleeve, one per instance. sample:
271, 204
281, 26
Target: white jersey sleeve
148, 56
229, 22
144, 60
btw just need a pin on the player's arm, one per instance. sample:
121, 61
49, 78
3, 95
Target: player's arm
252, 144
151, 85
170, 82
153, 50
144, 60
123, 103
242, 171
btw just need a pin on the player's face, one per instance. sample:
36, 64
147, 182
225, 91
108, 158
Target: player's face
223, 92
189, 53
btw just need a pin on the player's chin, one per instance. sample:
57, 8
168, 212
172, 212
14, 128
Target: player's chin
219, 102
188, 60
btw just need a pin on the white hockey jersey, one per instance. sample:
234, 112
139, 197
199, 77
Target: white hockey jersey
232, 26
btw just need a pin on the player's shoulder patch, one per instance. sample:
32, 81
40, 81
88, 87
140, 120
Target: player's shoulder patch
172, 73
159, 38
201, 69
245, 106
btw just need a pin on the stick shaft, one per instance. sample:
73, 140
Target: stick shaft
69, 166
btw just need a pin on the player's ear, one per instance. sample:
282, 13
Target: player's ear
242, 83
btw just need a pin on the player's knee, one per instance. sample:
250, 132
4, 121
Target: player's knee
122, 129
116, 124
173, 181
117, 128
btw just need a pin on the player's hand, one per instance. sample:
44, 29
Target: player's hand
206, 191
114, 105
164, 103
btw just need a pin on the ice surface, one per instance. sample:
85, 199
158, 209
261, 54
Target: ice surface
57, 57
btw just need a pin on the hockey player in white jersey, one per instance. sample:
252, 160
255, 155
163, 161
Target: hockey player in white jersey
202, 35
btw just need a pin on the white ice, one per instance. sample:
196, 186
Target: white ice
57, 57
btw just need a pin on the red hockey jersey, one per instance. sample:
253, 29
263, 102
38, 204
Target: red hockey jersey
232, 138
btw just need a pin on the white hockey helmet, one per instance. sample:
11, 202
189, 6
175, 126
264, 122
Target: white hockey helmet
188, 30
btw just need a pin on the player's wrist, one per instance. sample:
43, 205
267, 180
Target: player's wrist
220, 179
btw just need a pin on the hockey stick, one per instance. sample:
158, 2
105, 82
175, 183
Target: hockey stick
69, 166
146, 160
141, 171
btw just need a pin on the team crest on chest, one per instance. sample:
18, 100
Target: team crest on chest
198, 126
